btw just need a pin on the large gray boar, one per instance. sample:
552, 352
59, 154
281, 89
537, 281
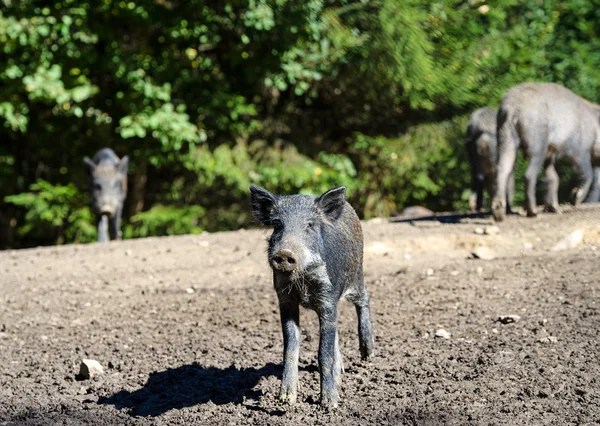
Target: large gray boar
548, 122
108, 189
480, 143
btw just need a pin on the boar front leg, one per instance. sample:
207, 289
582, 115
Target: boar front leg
102, 223
328, 352
290, 323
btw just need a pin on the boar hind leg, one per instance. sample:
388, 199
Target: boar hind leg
586, 177
365, 329
533, 169
594, 194
552, 182
510, 192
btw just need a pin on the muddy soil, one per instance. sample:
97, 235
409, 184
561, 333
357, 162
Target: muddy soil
187, 330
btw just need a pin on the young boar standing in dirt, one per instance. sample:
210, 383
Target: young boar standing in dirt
480, 143
108, 189
316, 254
548, 122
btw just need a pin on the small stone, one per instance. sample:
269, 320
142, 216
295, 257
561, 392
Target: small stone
527, 245
454, 273
508, 319
478, 231
548, 339
491, 230
407, 256
479, 270
429, 272
189, 290
484, 253
495, 330
441, 333
570, 241
89, 368
128, 252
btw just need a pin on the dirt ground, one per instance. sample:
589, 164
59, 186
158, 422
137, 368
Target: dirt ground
187, 330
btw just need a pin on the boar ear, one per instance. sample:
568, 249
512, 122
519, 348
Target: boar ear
332, 202
123, 165
90, 166
263, 204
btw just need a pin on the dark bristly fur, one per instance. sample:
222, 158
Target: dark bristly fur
316, 253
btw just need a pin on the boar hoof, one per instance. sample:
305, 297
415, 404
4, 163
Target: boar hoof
329, 401
287, 396
531, 213
552, 209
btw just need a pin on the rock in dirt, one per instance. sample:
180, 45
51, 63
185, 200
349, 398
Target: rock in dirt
570, 241
548, 339
429, 272
484, 253
491, 230
89, 368
508, 319
443, 334
478, 231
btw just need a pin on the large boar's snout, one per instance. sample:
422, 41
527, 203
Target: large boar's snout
284, 261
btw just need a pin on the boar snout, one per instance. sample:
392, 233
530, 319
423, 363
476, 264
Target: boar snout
107, 210
284, 261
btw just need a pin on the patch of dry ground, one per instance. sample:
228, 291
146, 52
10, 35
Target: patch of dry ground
187, 329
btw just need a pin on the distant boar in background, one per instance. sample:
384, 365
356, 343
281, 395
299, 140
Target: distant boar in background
480, 143
548, 122
108, 189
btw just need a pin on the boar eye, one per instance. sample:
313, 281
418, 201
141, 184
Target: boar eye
97, 186
309, 225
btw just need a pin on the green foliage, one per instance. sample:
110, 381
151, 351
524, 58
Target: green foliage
165, 220
425, 166
208, 97
55, 213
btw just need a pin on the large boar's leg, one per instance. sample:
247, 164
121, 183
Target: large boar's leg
533, 169
552, 182
507, 157
594, 194
583, 166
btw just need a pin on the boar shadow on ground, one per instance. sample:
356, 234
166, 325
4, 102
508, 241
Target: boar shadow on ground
192, 384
